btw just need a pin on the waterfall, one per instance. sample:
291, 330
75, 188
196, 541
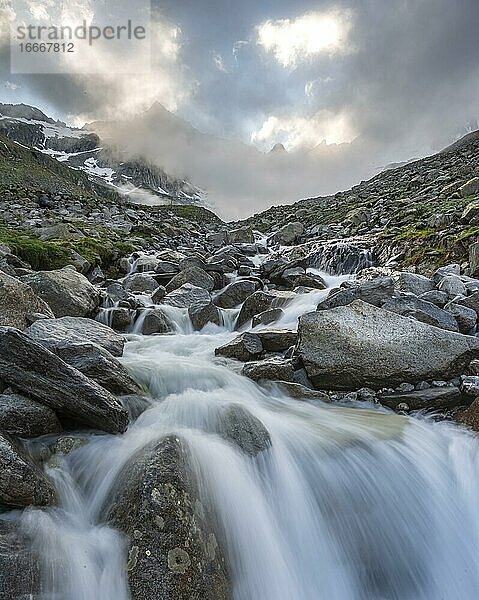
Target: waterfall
341, 256
349, 502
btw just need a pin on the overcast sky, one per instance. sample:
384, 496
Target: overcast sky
399, 77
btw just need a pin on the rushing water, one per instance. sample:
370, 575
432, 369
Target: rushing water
350, 502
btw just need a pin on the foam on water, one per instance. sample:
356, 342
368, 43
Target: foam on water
348, 503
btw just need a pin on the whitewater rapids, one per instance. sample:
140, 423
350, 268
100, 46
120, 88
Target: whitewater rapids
351, 502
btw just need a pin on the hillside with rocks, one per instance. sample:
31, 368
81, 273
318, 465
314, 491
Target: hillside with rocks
156, 363
421, 215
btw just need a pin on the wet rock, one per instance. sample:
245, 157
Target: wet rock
270, 369
29, 367
173, 548
66, 292
362, 346
277, 340
187, 295
267, 317
408, 305
156, 321
22, 483
141, 283
375, 292
260, 302
117, 292
158, 295
235, 293
195, 276
26, 418
19, 566
243, 429
246, 346
470, 416
135, 405
434, 398
53, 332
18, 301
120, 319
201, 314
314, 282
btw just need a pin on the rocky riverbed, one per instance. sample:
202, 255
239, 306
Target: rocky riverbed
136, 379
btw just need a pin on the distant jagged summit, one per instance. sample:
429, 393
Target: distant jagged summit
278, 148
24, 111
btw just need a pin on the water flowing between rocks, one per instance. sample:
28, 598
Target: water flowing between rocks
349, 502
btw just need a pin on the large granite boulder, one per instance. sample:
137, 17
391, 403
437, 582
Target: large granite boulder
375, 292
203, 313
32, 369
18, 301
246, 346
26, 418
67, 292
409, 305
52, 333
359, 345
173, 547
240, 427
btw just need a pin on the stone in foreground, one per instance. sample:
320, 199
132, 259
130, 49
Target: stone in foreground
19, 566
173, 550
26, 418
359, 345
22, 482
37, 372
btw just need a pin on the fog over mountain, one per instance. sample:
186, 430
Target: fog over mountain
347, 87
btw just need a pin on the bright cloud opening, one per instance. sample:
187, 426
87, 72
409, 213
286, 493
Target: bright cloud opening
299, 132
292, 41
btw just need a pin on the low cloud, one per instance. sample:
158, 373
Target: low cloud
301, 39
300, 132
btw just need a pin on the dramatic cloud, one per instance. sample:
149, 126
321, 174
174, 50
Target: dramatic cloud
299, 132
347, 86
293, 41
